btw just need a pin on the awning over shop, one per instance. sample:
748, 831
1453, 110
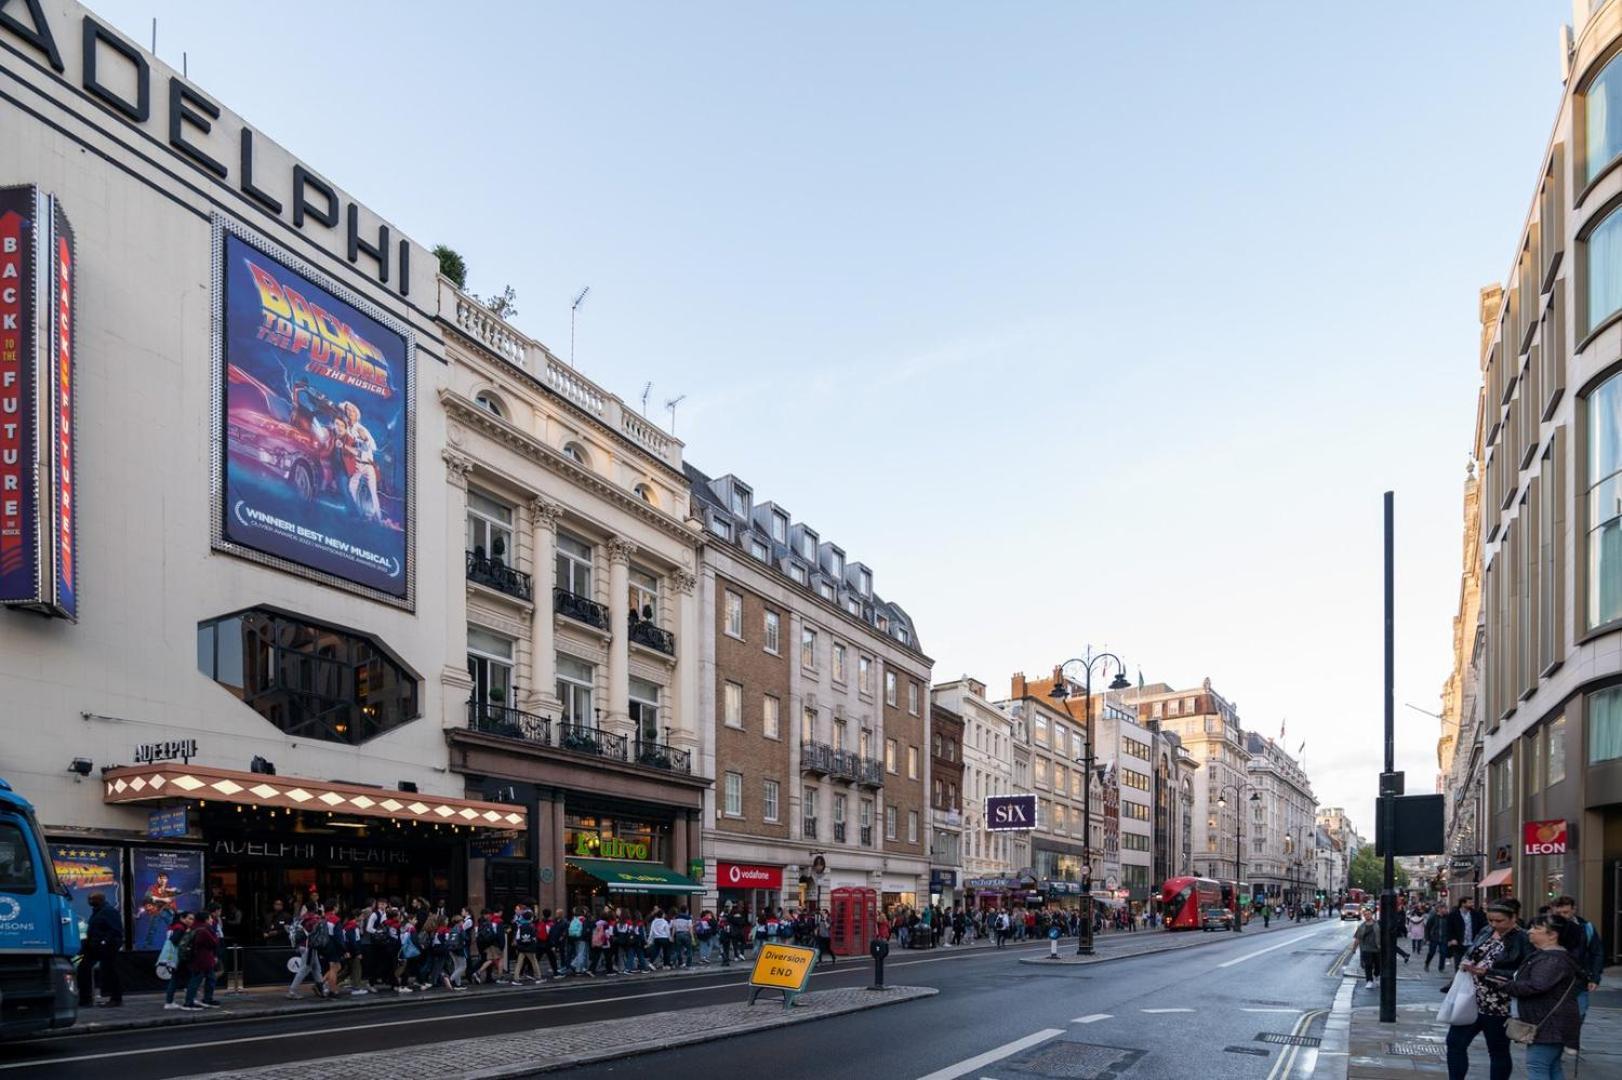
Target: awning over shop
626, 876
155, 784
1497, 878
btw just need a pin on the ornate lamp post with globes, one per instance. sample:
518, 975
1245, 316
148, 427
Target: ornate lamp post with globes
1061, 692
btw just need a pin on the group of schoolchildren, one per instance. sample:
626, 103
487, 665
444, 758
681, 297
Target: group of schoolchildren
405, 948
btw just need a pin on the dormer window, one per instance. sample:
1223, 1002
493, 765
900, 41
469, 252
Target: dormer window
854, 606
837, 562
808, 545
740, 500
576, 453
780, 527
490, 404
645, 493
865, 583
902, 636
720, 526
758, 549
827, 591
797, 572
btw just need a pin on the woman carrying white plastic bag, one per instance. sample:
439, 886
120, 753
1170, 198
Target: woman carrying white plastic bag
1459, 1007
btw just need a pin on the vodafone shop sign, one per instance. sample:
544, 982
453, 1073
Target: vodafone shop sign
742, 876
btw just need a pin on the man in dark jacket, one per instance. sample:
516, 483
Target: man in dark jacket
1436, 936
1590, 952
1464, 925
103, 936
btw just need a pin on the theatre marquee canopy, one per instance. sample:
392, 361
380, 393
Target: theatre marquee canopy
151, 784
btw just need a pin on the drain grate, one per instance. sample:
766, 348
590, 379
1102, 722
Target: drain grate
1256, 1050
1078, 1061
1278, 1038
1416, 1048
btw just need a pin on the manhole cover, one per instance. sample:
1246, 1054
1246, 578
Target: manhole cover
1416, 1048
1256, 1050
1278, 1038
1079, 1061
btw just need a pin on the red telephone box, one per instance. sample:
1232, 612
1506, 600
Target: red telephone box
853, 917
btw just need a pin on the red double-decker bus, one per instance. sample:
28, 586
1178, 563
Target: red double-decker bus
1183, 901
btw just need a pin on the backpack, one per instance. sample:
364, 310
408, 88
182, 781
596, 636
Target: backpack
457, 938
408, 947
183, 952
321, 936
486, 936
576, 927
297, 935
524, 936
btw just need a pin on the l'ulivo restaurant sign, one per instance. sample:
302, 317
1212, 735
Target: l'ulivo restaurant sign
592, 846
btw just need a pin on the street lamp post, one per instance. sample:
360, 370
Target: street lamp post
1238, 845
1061, 692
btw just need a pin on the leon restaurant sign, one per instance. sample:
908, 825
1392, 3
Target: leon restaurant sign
1544, 838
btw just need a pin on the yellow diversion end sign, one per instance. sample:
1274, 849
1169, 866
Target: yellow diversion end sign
782, 967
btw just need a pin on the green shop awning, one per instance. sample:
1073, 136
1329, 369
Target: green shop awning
624, 875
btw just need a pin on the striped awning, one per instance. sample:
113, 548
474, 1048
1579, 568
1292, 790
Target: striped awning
137, 784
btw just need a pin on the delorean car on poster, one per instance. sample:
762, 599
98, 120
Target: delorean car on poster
316, 412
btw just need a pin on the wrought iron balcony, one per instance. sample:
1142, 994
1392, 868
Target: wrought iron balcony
580, 608
590, 740
867, 836
839, 832
808, 828
872, 773
846, 765
644, 632
493, 573
492, 719
816, 758
657, 755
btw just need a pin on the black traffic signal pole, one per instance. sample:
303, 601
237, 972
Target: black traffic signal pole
1388, 797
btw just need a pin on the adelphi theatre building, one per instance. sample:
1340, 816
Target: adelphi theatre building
223, 538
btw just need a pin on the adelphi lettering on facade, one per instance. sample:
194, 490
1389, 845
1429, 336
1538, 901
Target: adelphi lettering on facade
119, 76
312, 851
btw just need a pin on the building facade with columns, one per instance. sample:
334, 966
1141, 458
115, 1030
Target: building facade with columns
816, 694
576, 654
1280, 840
994, 763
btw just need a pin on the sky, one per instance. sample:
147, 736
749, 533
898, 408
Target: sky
1082, 324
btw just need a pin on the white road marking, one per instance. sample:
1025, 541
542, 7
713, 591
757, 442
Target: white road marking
1270, 948
1165, 1010
1292, 1012
1285, 1065
1093, 1019
952, 1072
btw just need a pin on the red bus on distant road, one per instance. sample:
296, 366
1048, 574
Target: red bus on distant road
1183, 901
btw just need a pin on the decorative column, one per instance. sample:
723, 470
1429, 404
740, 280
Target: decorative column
620, 551
543, 517
456, 684
689, 650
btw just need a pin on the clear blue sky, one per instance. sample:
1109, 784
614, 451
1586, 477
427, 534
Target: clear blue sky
1078, 322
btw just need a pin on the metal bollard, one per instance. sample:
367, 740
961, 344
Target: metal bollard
879, 950
233, 974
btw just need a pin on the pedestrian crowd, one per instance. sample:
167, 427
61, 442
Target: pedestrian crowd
1541, 971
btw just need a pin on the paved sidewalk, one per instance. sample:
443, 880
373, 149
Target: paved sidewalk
578, 1044
1357, 1046
147, 1011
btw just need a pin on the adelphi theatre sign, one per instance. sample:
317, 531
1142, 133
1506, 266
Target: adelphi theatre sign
85, 53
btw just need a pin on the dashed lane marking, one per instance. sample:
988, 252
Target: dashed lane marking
1270, 948
1093, 1019
1165, 1010
969, 1065
1292, 1012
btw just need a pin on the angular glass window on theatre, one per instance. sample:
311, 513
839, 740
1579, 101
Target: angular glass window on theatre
307, 678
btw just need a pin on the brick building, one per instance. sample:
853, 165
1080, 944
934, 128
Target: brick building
945, 806
817, 689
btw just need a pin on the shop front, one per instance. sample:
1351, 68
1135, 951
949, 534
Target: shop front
756, 889
943, 889
247, 840
989, 893
619, 856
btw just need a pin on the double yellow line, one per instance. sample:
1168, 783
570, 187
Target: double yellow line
1341, 960
1286, 1061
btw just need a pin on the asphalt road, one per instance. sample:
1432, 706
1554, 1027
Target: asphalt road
987, 999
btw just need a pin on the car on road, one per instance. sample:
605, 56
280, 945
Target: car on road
1351, 911
1216, 918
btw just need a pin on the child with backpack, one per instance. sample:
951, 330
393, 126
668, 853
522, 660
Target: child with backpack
526, 943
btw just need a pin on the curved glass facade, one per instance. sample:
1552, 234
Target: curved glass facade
1602, 111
